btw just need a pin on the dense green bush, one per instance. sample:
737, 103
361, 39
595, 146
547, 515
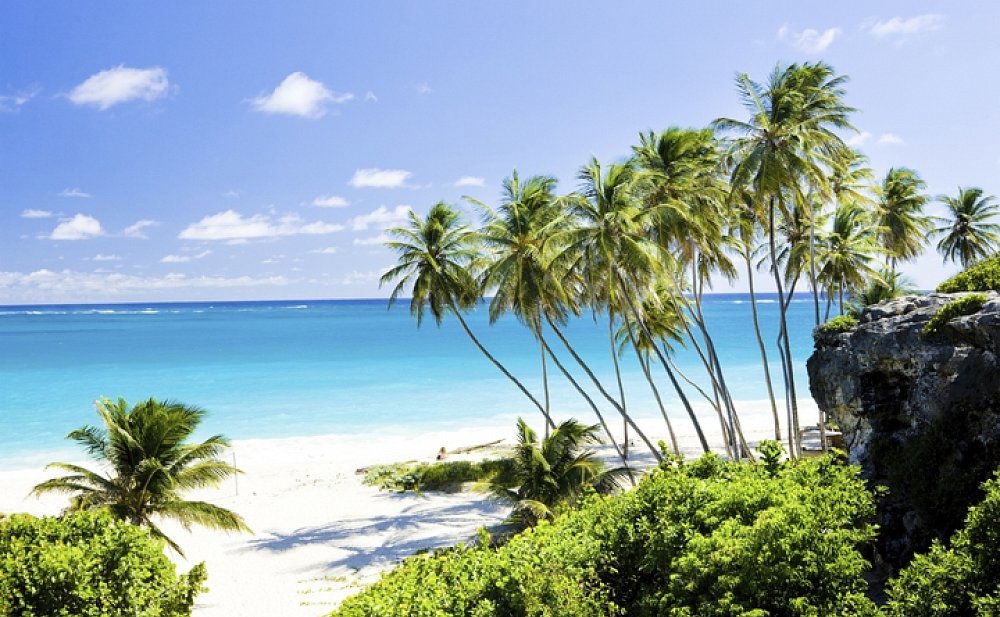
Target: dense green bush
982, 276
710, 538
966, 305
963, 579
838, 324
442, 476
89, 565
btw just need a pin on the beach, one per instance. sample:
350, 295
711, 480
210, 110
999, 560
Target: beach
319, 533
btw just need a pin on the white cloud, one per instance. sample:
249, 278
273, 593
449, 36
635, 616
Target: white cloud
298, 95
423, 88
356, 276
80, 227
231, 225
231, 193
809, 40
330, 250
31, 213
470, 181
379, 178
74, 192
330, 201
180, 259
900, 27
858, 139
890, 139
69, 285
135, 230
370, 97
103, 257
120, 84
13, 102
372, 241
381, 217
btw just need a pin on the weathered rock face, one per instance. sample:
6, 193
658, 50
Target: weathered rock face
920, 414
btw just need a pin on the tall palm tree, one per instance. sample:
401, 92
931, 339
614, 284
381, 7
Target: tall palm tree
778, 153
550, 476
968, 233
903, 228
150, 466
436, 260
521, 271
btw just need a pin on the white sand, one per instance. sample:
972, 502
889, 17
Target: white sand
319, 534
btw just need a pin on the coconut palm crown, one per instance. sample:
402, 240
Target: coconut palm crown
551, 475
148, 465
968, 231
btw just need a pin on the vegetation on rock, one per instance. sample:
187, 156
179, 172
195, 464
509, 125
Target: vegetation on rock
981, 276
966, 305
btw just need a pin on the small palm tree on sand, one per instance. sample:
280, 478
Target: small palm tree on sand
149, 464
550, 476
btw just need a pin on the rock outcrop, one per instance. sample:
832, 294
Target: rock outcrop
920, 413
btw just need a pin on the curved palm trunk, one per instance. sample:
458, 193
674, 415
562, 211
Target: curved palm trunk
761, 347
783, 346
670, 374
618, 378
644, 363
812, 261
600, 387
500, 366
590, 402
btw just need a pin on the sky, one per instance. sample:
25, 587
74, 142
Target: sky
229, 150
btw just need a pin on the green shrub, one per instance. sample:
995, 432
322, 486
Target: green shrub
961, 580
982, 276
966, 305
89, 565
838, 324
709, 538
442, 476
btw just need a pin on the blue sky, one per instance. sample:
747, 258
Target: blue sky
224, 150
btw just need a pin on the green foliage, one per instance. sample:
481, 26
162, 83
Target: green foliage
441, 476
963, 579
709, 538
966, 305
89, 565
982, 276
838, 324
150, 465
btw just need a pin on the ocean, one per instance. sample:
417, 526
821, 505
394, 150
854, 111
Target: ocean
293, 368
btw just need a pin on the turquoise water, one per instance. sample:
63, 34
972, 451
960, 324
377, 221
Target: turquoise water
269, 369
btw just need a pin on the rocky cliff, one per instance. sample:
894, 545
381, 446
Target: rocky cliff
919, 412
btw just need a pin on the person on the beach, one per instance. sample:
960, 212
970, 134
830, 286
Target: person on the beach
442, 454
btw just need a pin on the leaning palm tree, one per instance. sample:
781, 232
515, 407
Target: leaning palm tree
550, 476
903, 227
778, 154
968, 233
436, 258
149, 464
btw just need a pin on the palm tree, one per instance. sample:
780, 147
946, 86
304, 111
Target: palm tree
903, 227
776, 153
968, 233
150, 464
886, 285
549, 477
847, 251
436, 258
521, 272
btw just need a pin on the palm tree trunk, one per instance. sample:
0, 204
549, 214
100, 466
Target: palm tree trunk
618, 377
666, 367
644, 364
590, 402
784, 351
600, 386
812, 260
762, 348
545, 388
500, 366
